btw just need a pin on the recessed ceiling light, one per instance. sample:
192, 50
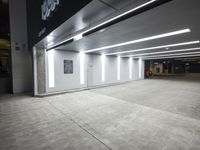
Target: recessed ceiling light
156, 47
49, 38
78, 37
141, 40
102, 30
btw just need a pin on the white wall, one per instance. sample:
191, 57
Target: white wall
135, 69
110, 70
63, 81
93, 71
21, 58
124, 65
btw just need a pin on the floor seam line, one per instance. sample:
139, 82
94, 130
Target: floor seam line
80, 126
183, 116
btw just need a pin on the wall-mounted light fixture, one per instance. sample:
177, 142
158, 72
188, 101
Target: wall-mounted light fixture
118, 67
82, 67
103, 59
51, 71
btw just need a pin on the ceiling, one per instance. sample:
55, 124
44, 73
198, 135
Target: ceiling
172, 16
94, 12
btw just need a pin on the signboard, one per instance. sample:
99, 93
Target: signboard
44, 16
68, 67
48, 7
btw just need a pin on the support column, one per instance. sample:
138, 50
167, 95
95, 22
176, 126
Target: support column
39, 61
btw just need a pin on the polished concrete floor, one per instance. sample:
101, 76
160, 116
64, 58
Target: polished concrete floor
154, 114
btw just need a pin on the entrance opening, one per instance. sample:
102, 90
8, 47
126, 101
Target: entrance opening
5, 50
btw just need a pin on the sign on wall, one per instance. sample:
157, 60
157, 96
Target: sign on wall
68, 67
48, 7
44, 16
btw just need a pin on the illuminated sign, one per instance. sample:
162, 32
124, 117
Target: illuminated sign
48, 7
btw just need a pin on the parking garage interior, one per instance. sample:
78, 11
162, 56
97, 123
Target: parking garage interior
103, 75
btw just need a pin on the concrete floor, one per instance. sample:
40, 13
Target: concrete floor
153, 114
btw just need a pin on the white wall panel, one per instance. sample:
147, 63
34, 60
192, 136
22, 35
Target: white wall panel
67, 81
93, 71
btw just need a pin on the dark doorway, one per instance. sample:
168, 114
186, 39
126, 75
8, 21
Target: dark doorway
5, 49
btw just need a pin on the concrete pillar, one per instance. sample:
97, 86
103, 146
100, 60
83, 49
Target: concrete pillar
39, 62
21, 55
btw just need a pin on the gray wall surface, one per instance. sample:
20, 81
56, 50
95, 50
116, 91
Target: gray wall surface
41, 70
93, 71
21, 56
4, 84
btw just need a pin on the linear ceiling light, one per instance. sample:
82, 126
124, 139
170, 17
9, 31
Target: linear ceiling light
164, 52
167, 57
130, 68
121, 15
140, 68
142, 40
178, 54
103, 67
112, 19
51, 71
156, 47
82, 67
118, 67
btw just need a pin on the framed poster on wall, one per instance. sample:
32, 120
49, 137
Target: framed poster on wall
68, 66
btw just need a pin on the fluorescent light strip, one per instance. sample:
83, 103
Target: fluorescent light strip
140, 68
156, 47
118, 67
130, 68
103, 68
141, 40
82, 67
51, 68
171, 57
173, 54
163, 52
121, 15
114, 18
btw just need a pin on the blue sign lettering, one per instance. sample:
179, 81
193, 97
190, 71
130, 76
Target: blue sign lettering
47, 7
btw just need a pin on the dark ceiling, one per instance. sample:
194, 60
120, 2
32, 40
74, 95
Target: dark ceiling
4, 23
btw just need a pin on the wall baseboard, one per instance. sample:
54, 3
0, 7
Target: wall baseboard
82, 89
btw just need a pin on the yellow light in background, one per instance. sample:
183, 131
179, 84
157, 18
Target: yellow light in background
5, 44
